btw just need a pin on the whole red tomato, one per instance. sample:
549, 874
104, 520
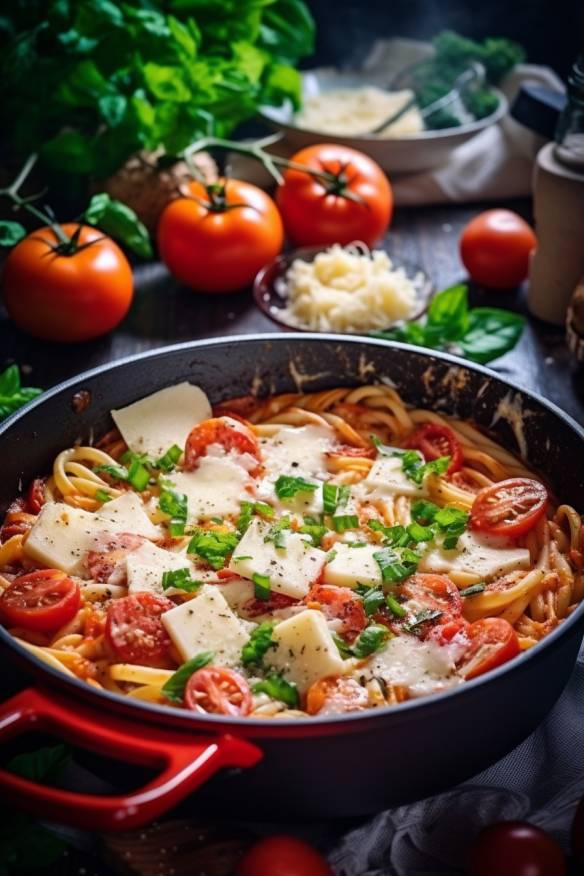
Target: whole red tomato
515, 848
495, 247
356, 203
218, 237
61, 296
578, 834
283, 855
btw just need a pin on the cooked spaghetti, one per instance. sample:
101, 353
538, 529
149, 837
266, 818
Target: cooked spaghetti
303, 554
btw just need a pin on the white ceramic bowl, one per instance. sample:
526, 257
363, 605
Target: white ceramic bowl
410, 154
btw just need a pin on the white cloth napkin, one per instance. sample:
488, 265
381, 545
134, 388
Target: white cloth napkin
540, 781
496, 164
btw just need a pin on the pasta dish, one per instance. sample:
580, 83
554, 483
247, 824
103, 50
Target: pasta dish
297, 555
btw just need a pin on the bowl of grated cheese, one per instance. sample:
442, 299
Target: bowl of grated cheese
348, 289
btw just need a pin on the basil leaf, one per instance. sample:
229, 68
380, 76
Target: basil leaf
424, 511
343, 648
181, 579
416, 469
43, 765
344, 522
277, 532
370, 640
334, 495
373, 599
11, 233
138, 476
174, 688
394, 606
175, 505
213, 547
115, 471
259, 643
427, 614
419, 533
168, 461
314, 529
473, 590
394, 565
262, 586
491, 332
119, 221
102, 496
278, 688
448, 312
286, 486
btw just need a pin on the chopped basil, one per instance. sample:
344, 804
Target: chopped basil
181, 579
427, 614
174, 688
258, 644
262, 586
473, 589
370, 640
279, 689
344, 522
449, 521
168, 461
394, 606
416, 469
286, 486
276, 532
344, 648
114, 471
138, 475
356, 544
334, 496
383, 449
241, 559
248, 509
213, 547
331, 555
314, 529
419, 533
396, 566
373, 599
174, 504
102, 496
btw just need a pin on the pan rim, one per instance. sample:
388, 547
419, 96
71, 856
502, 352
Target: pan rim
282, 727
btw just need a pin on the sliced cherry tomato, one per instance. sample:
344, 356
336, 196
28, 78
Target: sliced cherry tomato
333, 696
17, 520
42, 601
218, 690
255, 607
282, 855
515, 848
340, 603
35, 497
106, 563
427, 592
231, 434
444, 634
492, 642
134, 630
434, 440
510, 508
350, 450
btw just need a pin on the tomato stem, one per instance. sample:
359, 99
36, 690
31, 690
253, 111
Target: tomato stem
12, 193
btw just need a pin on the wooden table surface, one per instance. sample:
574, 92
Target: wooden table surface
164, 313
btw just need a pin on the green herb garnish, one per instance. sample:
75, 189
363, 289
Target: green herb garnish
138, 475
259, 643
473, 590
344, 522
278, 688
174, 504
335, 496
427, 614
373, 599
102, 496
168, 461
12, 395
314, 529
394, 606
286, 486
370, 640
213, 547
262, 586
416, 469
181, 579
394, 565
118, 472
277, 533
449, 521
247, 510
174, 688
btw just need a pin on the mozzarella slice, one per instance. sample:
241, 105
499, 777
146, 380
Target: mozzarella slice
353, 565
297, 451
215, 488
422, 667
476, 557
62, 535
162, 419
147, 564
291, 569
305, 650
206, 623
386, 478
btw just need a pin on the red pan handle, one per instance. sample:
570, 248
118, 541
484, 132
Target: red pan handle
185, 761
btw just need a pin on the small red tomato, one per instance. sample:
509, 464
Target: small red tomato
495, 247
515, 848
578, 834
283, 855
41, 601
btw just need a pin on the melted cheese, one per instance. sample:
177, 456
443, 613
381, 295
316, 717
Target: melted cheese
386, 478
476, 557
297, 451
291, 569
422, 667
305, 650
62, 535
146, 565
206, 623
353, 565
215, 488
162, 419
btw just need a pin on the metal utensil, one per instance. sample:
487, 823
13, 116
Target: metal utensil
474, 74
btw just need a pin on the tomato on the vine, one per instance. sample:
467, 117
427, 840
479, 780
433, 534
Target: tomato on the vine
282, 855
67, 292
515, 848
352, 202
217, 237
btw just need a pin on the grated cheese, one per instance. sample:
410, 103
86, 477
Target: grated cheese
349, 111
